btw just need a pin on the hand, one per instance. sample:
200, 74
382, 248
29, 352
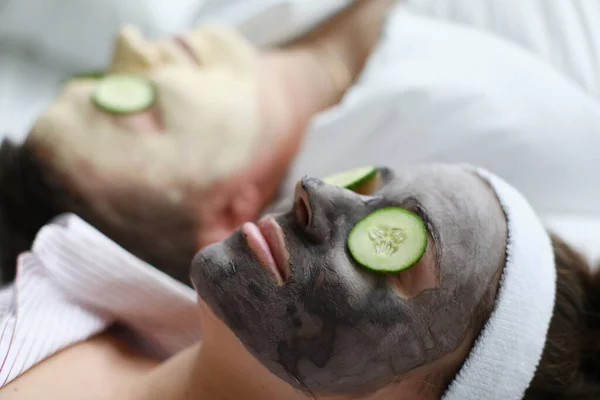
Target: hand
348, 39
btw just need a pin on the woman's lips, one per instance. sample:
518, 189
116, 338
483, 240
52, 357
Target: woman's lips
274, 237
266, 241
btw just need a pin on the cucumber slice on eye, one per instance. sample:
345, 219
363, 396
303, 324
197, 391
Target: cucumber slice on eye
352, 178
124, 94
388, 240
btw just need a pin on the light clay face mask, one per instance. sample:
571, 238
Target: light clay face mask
150, 178
203, 124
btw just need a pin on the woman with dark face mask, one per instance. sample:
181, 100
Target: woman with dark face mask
288, 308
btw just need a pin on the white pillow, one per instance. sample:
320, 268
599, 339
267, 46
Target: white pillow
564, 33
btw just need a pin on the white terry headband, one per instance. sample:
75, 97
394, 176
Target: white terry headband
505, 357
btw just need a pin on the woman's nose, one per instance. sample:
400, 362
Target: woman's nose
312, 201
302, 205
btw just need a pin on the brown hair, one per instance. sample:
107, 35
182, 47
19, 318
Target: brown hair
32, 194
27, 202
570, 365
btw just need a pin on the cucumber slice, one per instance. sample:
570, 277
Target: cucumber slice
352, 178
388, 240
124, 94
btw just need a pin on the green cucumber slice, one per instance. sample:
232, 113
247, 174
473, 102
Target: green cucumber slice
352, 178
124, 94
388, 240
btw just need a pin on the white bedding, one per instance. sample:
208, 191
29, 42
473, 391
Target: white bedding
512, 85
564, 33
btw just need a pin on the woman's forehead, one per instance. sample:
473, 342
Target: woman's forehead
433, 180
443, 193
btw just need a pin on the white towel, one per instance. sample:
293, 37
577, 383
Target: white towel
504, 359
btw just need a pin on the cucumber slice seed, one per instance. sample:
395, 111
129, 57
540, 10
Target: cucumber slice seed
388, 240
352, 178
124, 94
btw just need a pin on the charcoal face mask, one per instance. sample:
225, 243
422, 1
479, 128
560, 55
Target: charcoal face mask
334, 327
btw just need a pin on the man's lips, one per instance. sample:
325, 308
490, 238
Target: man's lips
265, 239
188, 50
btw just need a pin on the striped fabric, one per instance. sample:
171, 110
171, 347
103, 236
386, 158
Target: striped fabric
75, 283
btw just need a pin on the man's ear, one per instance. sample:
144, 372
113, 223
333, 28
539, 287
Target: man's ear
224, 209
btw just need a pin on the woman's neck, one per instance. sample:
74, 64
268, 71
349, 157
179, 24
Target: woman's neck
228, 372
211, 373
222, 368
219, 368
